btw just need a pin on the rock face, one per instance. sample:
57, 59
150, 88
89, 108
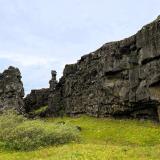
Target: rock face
55, 97
53, 82
39, 98
36, 99
11, 90
120, 79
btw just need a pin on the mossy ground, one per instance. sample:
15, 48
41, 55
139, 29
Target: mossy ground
101, 139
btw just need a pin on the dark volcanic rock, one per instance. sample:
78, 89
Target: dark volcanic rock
11, 90
39, 98
55, 98
53, 82
36, 99
121, 79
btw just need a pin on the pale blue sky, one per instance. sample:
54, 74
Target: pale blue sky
40, 35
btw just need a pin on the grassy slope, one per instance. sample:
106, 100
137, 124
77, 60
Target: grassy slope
102, 139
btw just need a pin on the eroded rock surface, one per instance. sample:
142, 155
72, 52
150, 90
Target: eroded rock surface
11, 90
120, 79
36, 99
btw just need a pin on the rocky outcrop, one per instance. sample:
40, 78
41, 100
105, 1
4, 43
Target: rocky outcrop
55, 97
11, 90
53, 82
36, 99
120, 79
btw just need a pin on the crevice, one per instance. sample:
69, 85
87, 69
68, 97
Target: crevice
147, 60
113, 72
155, 84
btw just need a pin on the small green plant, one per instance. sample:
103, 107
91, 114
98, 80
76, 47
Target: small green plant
18, 133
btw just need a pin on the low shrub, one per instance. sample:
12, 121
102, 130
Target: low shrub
18, 133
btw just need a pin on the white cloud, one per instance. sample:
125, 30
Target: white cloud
27, 60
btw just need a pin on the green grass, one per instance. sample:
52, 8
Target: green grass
19, 133
101, 139
37, 112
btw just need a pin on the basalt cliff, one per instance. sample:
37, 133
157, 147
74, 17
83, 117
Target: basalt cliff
120, 79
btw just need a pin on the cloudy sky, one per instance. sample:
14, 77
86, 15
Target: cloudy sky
40, 35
